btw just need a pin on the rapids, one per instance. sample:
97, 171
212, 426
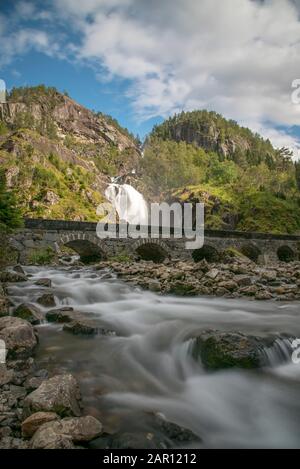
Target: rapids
147, 365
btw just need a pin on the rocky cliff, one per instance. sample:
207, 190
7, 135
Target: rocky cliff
58, 155
214, 133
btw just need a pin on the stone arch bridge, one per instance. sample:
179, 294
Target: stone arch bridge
81, 237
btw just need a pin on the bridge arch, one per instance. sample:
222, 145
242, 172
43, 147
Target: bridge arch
286, 254
207, 252
88, 247
152, 250
251, 250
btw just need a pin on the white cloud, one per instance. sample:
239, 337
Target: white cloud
238, 57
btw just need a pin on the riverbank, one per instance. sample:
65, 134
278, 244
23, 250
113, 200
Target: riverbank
237, 278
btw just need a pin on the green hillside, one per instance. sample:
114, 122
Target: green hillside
246, 184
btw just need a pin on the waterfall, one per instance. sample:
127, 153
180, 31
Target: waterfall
128, 202
280, 352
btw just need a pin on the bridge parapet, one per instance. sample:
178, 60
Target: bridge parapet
81, 236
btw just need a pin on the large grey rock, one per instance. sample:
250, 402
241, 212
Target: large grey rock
76, 323
61, 315
60, 394
29, 312
227, 349
76, 429
47, 299
47, 438
18, 336
43, 282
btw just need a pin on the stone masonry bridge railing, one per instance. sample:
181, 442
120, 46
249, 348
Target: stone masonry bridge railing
81, 237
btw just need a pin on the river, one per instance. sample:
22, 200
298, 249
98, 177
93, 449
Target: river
147, 366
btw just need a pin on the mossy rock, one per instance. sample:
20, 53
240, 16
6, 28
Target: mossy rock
218, 350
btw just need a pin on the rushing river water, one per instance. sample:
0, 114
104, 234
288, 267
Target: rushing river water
147, 366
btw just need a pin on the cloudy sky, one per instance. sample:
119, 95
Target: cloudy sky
142, 60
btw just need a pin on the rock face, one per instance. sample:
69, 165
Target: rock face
227, 350
18, 336
29, 312
59, 394
60, 136
35, 421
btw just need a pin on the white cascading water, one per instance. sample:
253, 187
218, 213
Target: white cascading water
130, 204
147, 366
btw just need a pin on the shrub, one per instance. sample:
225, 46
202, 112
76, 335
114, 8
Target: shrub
42, 256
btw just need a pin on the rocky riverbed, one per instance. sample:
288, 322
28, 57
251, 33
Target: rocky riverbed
96, 362
237, 278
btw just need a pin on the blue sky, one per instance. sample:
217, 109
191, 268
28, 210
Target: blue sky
142, 61
81, 84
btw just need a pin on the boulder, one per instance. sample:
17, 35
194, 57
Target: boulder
12, 277
6, 375
76, 322
76, 430
19, 269
18, 336
176, 433
60, 394
47, 299
61, 315
228, 285
227, 349
213, 273
9, 442
35, 421
249, 291
85, 327
43, 282
29, 312
46, 438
